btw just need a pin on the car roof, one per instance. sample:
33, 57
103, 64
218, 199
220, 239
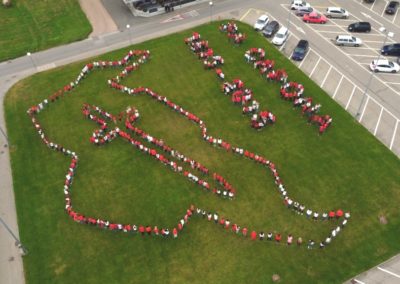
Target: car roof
302, 42
381, 61
334, 8
283, 29
344, 36
273, 23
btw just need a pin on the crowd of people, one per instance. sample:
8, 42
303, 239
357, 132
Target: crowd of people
239, 94
232, 32
291, 91
103, 135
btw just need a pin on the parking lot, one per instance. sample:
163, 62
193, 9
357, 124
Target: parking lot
343, 72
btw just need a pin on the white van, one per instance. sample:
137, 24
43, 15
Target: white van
281, 36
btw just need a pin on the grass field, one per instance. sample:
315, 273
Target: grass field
40, 24
345, 168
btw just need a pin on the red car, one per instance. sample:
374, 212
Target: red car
314, 17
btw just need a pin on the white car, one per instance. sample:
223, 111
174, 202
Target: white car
281, 36
384, 65
296, 4
261, 23
336, 12
347, 40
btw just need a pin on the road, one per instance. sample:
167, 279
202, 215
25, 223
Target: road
345, 81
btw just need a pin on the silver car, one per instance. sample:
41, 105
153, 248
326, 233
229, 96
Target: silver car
336, 12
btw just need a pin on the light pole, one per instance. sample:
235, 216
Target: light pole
387, 34
128, 27
211, 6
18, 244
31, 58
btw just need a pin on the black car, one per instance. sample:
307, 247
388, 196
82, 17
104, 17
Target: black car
360, 27
270, 29
391, 49
392, 7
300, 50
369, 1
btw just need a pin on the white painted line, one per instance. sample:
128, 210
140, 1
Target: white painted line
379, 120
245, 14
394, 135
304, 59
393, 83
326, 76
312, 72
363, 55
365, 106
351, 96
394, 18
358, 281
372, 7
380, 268
337, 87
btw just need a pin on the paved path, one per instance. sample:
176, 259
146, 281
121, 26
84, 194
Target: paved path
101, 21
385, 273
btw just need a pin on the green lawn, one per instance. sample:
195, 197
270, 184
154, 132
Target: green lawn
40, 24
345, 168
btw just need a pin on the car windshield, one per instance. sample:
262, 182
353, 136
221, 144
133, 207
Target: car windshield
299, 50
280, 35
343, 11
391, 64
353, 38
260, 21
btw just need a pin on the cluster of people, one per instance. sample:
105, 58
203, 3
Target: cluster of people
292, 91
100, 116
203, 51
244, 97
232, 32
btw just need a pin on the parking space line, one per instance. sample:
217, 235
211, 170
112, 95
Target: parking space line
379, 120
337, 87
385, 270
326, 76
304, 59
365, 106
358, 281
351, 96
245, 15
391, 142
394, 18
319, 59
372, 6
372, 56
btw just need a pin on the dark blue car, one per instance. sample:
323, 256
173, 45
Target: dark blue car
300, 50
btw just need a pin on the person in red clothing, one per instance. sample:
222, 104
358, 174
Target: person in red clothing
339, 213
141, 230
331, 214
155, 231
175, 233
244, 231
148, 230
253, 235
278, 238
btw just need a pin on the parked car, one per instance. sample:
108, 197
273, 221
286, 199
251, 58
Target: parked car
359, 27
281, 36
391, 8
270, 29
296, 4
369, 1
261, 23
391, 49
384, 65
303, 11
315, 17
347, 40
336, 12
300, 50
